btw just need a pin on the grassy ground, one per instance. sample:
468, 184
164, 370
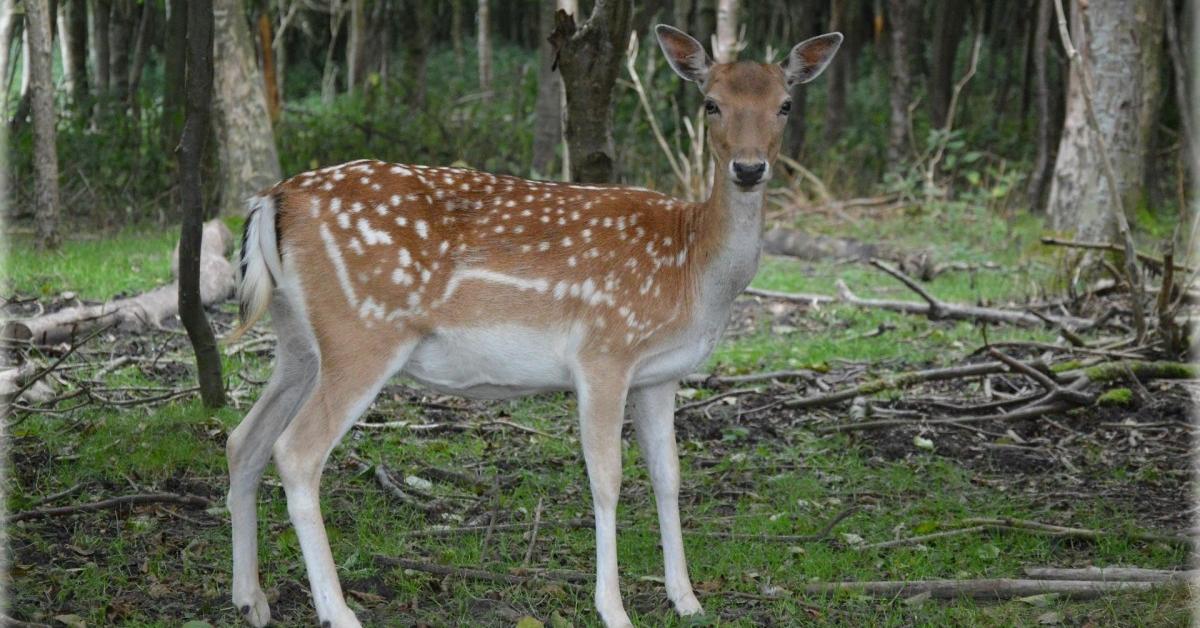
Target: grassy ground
762, 473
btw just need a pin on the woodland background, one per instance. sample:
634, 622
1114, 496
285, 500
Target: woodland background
958, 392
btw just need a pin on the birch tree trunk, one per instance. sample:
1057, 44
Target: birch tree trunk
45, 158
8, 22
246, 152
589, 58
1122, 49
725, 42
484, 41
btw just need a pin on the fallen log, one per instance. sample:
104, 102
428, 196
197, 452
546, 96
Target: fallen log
1105, 574
217, 279
986, 589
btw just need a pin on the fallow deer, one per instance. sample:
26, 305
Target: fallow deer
491, 286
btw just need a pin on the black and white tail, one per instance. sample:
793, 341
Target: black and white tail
259, 265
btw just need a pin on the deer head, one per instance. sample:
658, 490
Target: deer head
746, 103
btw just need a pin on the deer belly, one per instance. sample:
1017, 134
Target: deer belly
492, 362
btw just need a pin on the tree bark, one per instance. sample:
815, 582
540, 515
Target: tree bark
1040, 175
547, 132
835, 78
417, 44
949, 16
270, 85
141, 49
120, 31
101, 10
456, 33
356, 47
589, 58
174, 56
249, 162
725, 43
484, 41
900, 16
191, 153
1122, 49
75, 42
45, 157
8, 26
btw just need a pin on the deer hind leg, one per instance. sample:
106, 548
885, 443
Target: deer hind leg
249, 449
350, 377
652, 409
601, 394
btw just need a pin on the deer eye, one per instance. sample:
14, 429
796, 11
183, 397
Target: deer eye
785, 108
711, 108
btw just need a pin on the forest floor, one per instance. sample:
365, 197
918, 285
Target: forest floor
757, 477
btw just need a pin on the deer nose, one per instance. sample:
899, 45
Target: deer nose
749, 173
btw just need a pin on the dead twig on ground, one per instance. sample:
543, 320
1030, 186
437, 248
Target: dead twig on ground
468, 573
713, 381
191, 501
985, 589
533, 533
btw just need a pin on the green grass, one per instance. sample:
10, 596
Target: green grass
151, 568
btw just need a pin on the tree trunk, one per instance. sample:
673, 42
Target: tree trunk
725, 43
268, 63
141, 49
547, 128
1039, 176
356, 47
174, 56
417, 44
456, 33
248, 159
45, 159
949, 16
120, 31
900, 16
8, 26
75, 45
484, 41
101, 10
195, 131
337, 12
835, 78
1121, 49
589, 59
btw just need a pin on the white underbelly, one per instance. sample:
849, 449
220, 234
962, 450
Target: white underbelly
493, 362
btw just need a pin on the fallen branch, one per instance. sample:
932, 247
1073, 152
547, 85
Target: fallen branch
190, 501
1154, 263
1105, 574
802, 298
937, 309
1077, 533
712, 381
139, 312
986, 589
904, 380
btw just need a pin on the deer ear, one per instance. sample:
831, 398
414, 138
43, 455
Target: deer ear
809, 58
686, 55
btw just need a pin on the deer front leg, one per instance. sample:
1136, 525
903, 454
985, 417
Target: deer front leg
601, 397
652, 409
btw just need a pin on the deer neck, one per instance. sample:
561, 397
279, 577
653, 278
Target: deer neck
728, 227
